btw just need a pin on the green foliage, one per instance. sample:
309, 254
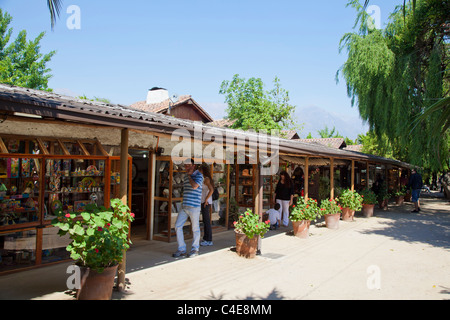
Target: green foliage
250, 225
254, 108
400, 192
369, 197
351, 199
327, 133
383, 193
330, 206
305, 210
394, 75
99, 235
21, 62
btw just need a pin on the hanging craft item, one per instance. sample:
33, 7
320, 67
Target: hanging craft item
88, 183
56, 206
25, 168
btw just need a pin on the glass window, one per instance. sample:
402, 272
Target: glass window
54, 245
71, 184
17, 249
19, 190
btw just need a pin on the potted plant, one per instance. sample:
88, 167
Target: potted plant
369, 200
383, 197
99, 239
331, 210
301, 216
350, 201
400, 196
248, 229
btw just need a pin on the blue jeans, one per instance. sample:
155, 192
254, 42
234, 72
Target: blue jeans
415, 194
194, 214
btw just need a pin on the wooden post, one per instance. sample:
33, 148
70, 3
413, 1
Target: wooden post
367, 174
123, 196
259, 199
306, 177
331, 178
353, 175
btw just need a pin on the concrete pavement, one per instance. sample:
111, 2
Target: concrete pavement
393, 255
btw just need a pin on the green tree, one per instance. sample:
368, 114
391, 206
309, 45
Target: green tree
21, 62
394, 75
255, 108
372, 144
327, 133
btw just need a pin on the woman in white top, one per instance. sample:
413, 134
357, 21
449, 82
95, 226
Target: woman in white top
207, 191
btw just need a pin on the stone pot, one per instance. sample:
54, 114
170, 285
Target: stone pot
301, 228
347, 214
332, 220
97, 286
367, 210
246, 247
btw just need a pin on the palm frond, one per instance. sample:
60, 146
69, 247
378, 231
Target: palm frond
55, 8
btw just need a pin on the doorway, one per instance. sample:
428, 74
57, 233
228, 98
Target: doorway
140, 196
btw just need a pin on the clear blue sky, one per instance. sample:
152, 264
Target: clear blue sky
125, 48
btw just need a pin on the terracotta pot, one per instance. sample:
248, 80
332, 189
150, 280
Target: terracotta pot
367, 210
246, 247
347, 214
301, 228
332, 220
399, 200
96, 286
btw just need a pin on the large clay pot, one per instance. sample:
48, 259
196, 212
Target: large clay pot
347, 214
332, 220
301, 228
246, 247
96, 286
367, 210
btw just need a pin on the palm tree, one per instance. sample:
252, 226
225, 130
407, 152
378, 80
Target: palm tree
55, 7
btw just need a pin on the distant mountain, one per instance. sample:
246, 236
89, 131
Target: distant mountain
316, 118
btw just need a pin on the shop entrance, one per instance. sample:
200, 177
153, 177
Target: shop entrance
140, 196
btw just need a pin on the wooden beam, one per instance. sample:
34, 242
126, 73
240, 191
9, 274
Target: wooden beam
306, 177
63, 147
353, 175
331, 178
123, 196
367, 174
42, 147
83, 148
3, 148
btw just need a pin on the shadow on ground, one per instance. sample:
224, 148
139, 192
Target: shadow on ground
431, 225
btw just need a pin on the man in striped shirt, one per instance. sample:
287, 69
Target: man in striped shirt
192, 197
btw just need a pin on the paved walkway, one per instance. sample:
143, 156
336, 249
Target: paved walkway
394, 255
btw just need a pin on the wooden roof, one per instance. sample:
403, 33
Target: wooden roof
56, 106
163, 107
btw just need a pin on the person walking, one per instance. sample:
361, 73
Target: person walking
207, 191
284, 195
192, 196
415, 183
